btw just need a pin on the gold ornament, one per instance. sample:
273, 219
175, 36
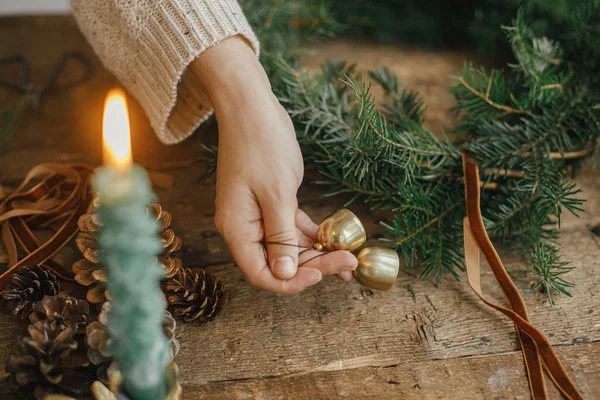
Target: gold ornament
377, 268
342, 230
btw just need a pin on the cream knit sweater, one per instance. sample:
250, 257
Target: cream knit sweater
148, 44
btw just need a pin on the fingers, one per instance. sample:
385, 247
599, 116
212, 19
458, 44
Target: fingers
329, 263
341, 263
280, 227
304, 278
303, 241
306, 225
250, 257
346, 276
249, 254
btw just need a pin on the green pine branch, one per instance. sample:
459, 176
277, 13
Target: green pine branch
546, 264
530, 126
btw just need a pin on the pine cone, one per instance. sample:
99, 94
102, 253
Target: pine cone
74, 312
89, 273
113, 391
98, 341
196, 296
27, 286
50, 361
171, 242
93, 276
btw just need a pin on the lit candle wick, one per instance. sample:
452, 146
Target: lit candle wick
115, 131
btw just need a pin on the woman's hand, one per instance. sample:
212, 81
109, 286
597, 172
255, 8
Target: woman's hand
258, 174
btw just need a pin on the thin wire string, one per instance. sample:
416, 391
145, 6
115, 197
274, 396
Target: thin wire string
321, 253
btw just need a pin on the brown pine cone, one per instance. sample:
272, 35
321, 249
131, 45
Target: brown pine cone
89, 273
196, 296
112, 389
93, 276
74, 312
50, 361
27, 286
98, 341
171, 242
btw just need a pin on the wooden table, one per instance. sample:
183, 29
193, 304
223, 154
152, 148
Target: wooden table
335, 340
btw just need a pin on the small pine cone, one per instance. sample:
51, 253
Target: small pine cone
90, 226
93, 277
50, 361
98, 342
172, 265
169, 326
89, 273
89, 223
171, 242
196, 296
27, 286
74, 312
112, 389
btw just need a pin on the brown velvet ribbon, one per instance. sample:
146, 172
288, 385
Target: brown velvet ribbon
537, 350
60, 196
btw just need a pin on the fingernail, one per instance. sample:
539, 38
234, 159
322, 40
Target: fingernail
285, 267
346, 276
350, 267
315, 279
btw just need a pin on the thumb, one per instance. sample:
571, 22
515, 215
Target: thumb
280, 227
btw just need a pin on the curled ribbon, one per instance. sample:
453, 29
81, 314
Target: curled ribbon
60, 196
537, 350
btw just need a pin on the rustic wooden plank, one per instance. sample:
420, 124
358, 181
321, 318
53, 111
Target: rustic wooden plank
495, 376
334, 328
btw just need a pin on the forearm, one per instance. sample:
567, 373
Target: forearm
150, 46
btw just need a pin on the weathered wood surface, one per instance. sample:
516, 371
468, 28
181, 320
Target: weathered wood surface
335, 340
490, 377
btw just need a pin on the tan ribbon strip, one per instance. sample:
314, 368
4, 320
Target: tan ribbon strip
60, 197
536, 348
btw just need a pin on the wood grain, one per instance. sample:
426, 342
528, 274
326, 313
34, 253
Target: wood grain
337, 326
489, 377
335, 340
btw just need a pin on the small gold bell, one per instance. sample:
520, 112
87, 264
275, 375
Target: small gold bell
377, 268
342, 230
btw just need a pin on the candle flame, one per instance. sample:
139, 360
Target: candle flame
115, 131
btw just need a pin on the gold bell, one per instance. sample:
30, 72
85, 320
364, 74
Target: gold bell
377, 268
342, 230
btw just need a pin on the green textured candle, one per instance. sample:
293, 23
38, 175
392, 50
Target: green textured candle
129, 243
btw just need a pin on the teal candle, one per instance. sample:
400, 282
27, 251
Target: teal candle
129, 242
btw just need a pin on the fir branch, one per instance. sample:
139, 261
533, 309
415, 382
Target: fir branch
415, 154
402, 107
208, 161
529, 127
425, 226
486, 97
545, 262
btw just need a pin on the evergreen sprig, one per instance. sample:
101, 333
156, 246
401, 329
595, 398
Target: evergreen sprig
530, 126
546, 263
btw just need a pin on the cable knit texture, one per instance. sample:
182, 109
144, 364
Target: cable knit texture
148, 45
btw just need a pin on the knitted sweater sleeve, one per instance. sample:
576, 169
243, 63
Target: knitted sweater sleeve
148, 45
